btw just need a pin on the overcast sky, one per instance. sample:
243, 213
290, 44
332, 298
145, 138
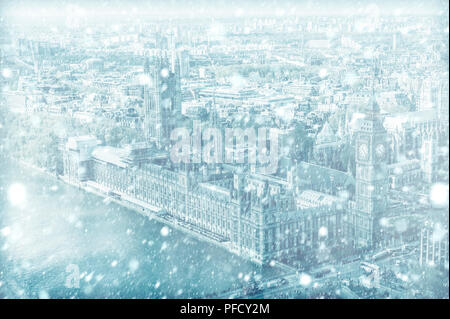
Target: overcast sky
220, 8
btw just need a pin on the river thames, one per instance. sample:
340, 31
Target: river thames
50, 232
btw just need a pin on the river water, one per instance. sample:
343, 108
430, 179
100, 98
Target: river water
57, 241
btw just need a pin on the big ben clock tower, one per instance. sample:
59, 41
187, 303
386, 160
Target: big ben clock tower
371, 178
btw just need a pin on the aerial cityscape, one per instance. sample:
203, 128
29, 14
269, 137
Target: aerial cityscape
262, 150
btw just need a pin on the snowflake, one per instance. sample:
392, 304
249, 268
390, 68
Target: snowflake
439, 195
17, 194
305, 280
7, 73
165, 231
323, 231
133, 265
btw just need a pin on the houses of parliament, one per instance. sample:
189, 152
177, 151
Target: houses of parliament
307, 211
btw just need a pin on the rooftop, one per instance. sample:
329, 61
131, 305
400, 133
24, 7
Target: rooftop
310, 198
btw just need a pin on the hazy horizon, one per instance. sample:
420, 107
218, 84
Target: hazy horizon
186, 9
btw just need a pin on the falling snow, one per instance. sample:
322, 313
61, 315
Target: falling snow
110, 186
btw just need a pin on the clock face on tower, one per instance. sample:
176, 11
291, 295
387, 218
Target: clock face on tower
380, 151
363, 151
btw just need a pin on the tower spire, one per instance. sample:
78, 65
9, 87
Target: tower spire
374, 108
146, 66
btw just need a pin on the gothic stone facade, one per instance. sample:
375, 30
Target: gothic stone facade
255, 216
